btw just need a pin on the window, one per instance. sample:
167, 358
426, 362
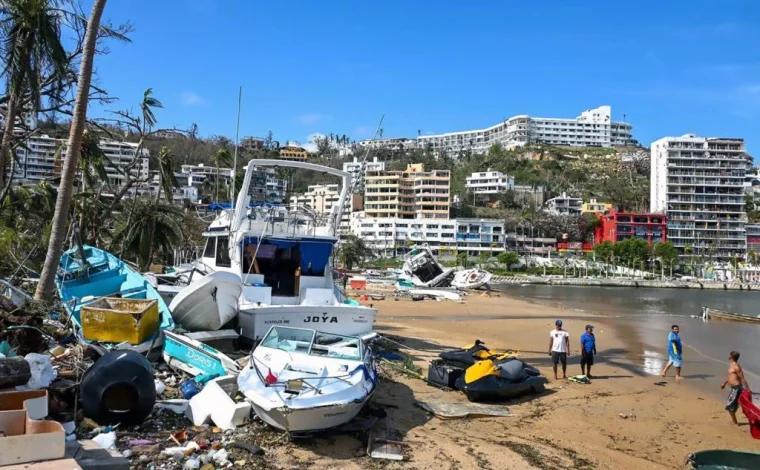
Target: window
223, 252
208, 252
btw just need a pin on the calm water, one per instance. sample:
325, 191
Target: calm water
644, 316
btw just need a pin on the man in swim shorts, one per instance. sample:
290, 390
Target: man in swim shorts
559, 348
738, 384
674, 352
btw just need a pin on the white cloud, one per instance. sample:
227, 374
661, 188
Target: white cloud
191, 98
363, 131
309, 119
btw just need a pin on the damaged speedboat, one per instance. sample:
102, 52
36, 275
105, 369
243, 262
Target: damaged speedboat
301, 380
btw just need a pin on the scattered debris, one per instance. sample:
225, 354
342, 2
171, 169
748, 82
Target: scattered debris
462, 410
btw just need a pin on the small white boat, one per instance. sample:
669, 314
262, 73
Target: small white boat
470, 279
302, 380
208, 303
442, 294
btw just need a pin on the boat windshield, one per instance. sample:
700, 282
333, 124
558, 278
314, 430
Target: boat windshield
314, 343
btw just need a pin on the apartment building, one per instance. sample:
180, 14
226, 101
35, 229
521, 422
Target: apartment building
29, 120
294, 152
593, 128
564, 205
318, 197
529, 195
753, 238
410, 194
619, 226
397, 143
475, 236
41, 157
198, 174
595, 207
699, 183
489, 182
358, 169
252, 143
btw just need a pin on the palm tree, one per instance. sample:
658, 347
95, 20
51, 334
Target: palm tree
223, 157
31, 43
146, 108
58, 230
151, 226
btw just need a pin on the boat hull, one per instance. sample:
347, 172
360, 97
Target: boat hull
471, 279
209, 303
310, 419
254, 321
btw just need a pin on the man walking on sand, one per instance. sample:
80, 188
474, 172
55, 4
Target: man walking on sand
674, 352
737, 382
588, 350
559, 348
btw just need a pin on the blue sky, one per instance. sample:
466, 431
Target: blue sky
336, 65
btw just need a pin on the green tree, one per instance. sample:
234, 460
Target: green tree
462, 259
508, 259
752, 257
353, 251
31, 31
222, 157
667, 254
152, 226
46, 284
605, 252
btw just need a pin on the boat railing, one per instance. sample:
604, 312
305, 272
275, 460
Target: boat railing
302, 222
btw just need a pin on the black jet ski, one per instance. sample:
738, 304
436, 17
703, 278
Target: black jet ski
500, 379
469, 355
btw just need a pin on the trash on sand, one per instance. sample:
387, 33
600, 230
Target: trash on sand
69, 427
160, 387
189, 388
178, 406
5, 349
192, 464
214, 403
247, 446
42, 372
140, 442
118, 388
580, 379
14, 371
462, 410
627, 415
379, 446
106, 440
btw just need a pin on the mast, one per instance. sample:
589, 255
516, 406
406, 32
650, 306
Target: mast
237, 137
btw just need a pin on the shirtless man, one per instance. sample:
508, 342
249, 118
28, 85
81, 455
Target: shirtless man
737, 382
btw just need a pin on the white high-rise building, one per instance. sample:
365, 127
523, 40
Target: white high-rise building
489, 182
593, 128
698, 183
319, 197
28, 119
124, 156
357, 173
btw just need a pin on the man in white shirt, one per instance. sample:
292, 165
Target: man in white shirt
559, 348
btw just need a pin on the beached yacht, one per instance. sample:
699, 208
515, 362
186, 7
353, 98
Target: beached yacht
282, 257
423, 270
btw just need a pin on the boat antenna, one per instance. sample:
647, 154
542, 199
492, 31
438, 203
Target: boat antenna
237, 137
355, 182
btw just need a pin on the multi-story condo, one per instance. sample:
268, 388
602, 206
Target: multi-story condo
319, 197
294, 152
28, 119
593, 128
41, 157
399, 143
698, 183
619, 226
489, 182
475, 236
198, 174
753, 239
595, 207
564, 205
528, 195
410, 194
252, 143
357, 169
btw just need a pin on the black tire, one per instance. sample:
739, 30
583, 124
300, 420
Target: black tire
118, 388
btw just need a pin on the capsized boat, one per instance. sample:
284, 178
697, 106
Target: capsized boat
471, 279
208, 303
283, 259
301, 380
86, 274
423, 270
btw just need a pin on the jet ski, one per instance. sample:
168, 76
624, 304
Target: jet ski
500, 379
469, 355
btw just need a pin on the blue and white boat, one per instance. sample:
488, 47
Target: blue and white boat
89, 273
282, 256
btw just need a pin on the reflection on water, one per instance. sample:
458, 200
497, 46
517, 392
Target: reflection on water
653, 362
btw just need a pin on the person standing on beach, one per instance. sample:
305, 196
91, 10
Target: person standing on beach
588, 350
674, 352
737, 382
559, 348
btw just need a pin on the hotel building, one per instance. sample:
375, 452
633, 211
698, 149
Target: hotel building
410, 194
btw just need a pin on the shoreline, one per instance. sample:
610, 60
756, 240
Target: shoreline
618, 282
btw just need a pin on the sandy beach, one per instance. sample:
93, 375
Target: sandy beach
570, 426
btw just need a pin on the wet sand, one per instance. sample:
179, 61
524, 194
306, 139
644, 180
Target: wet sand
569, 426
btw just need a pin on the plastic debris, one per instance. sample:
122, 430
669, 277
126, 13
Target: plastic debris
220, 458
42, 372
177, 453
192, 464
160, 387
178, 406
5, 349
126, 454
69, 427
106, 440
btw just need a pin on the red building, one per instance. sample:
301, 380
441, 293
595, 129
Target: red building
618, 226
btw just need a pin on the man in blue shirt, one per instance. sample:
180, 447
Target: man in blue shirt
674, 352
588, 350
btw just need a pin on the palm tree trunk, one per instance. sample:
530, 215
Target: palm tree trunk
10, 124
46, 285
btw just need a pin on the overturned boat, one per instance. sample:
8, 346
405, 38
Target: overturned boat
208, 303
471, 279
422, 269
87, 274
302, 380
